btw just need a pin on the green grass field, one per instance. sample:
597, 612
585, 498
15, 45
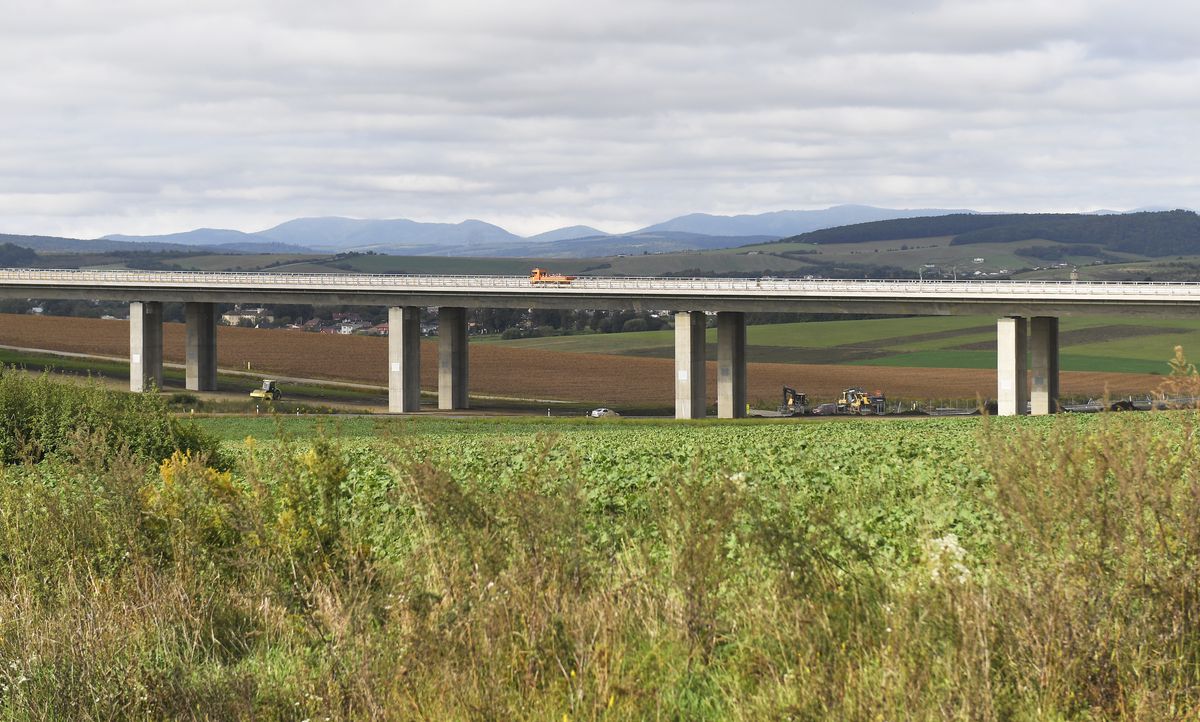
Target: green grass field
1115, 344
242, 262
173, 378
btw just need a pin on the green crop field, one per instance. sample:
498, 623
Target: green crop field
1111, 344
242, 262
439, 568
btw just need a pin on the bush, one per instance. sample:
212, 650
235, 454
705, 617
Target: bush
40, 417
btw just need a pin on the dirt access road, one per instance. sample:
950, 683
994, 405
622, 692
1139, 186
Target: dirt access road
494, 369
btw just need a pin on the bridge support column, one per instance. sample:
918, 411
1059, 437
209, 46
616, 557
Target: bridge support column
404, 359
200, 354
145, 345
452, 358
1043, 348
689, 364
731, 365
1012, 390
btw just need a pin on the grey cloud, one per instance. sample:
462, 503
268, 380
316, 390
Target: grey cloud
161, 116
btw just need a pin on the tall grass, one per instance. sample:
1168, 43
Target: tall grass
41, 416
311, 580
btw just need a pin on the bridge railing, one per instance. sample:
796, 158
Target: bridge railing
614, 284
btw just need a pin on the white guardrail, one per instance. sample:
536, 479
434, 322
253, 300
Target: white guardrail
609, 285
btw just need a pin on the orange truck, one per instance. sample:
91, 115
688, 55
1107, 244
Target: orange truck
540, 276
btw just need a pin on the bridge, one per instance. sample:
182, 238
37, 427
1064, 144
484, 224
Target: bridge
1027, 314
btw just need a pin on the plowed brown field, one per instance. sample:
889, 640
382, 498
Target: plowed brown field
613, 380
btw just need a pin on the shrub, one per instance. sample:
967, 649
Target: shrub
40, 416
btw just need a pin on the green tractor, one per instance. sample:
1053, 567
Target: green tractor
269, 391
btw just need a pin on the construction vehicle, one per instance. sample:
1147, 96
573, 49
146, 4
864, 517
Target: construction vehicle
268, 392
540, 276
860, 401
794, 403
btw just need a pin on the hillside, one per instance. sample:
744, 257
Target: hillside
785, 223
1152, 234
55, 244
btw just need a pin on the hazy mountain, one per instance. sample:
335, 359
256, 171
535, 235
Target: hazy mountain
788, 223
473, 237
198, 237
627, 244
476, 238
568, 233
349, 233
342, 234
55, 244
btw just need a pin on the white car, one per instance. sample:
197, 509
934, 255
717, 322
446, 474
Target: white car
601, 413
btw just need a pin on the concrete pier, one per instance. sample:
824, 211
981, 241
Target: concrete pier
1012, 388
200, 353
689, 364
452, 358
1043, 351
145, 345
731, 365
404, 359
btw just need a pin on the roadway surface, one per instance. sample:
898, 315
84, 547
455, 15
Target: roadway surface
1028, 298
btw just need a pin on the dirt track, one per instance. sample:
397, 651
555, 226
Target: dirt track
612, 380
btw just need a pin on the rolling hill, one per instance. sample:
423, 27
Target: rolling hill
787, 223
1151, 233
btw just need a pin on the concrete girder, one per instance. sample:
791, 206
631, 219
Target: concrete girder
1130, 307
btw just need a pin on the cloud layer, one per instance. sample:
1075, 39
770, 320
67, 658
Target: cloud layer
155, 116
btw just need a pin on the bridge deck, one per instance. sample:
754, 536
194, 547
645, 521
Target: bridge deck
907, 296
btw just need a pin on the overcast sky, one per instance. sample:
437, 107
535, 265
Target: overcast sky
156, 116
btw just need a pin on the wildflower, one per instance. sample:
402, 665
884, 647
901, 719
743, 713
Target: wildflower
945, 558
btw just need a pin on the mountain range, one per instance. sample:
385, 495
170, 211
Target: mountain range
697, 231
692, 232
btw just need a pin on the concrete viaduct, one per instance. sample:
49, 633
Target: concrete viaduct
1027, 313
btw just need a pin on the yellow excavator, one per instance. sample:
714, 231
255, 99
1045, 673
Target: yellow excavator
794, 403
860, 401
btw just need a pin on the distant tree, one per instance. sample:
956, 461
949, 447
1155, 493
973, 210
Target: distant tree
14, 256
